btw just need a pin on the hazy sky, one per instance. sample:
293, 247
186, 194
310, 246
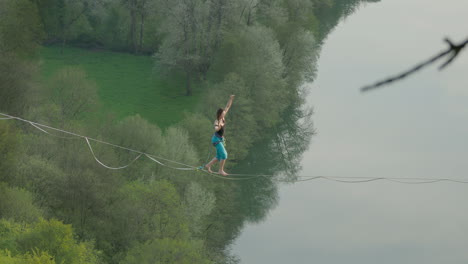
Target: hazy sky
414, 128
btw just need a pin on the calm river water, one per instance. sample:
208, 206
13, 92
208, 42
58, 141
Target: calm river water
414, 128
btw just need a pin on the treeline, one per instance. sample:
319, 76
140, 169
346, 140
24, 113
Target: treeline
141, 26
57, 205
191, 35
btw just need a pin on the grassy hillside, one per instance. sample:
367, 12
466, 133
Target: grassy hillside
127, 84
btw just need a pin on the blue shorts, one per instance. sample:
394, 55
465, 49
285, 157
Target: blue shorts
221, 153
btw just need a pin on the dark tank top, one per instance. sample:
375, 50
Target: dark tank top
220, 132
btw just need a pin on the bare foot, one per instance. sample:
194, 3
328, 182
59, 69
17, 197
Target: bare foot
223, 173
208, 169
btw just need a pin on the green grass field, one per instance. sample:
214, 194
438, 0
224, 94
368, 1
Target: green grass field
127, 84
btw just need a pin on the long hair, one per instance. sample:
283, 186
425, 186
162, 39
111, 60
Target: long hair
218, 113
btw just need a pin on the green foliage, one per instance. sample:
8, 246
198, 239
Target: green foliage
28, 258
69, 186
16, 82
75, 95
114, 29
329, 14
78, 189
199, 203
9, 232
38, 258
52, 14
178, 148
167, 251
300, 56
57, 239
78, 194
17, 204
46, 242
225, 221
66, 20
143, 212
137, 133
199, 130
300, 13
190, 38
255, 56
294, 24
6, 258
20, 28
117, 25
8, 150
41, 177
76, 21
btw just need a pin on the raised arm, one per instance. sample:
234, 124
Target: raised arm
228, 105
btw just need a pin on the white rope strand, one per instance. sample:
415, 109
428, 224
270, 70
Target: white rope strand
175, 168
168, 160
104, 165
237, 177
217, 175
36, 126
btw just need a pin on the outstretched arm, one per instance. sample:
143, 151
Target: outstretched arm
228, 106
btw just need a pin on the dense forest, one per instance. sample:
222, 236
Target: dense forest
57, 205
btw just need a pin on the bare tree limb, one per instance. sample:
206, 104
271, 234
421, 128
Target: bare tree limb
453, 51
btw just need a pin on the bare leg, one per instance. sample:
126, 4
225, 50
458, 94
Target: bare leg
221, 168
208, 166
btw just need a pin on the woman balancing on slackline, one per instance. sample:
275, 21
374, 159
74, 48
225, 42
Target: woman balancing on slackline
218, 139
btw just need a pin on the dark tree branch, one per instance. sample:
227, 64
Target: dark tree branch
453, 51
